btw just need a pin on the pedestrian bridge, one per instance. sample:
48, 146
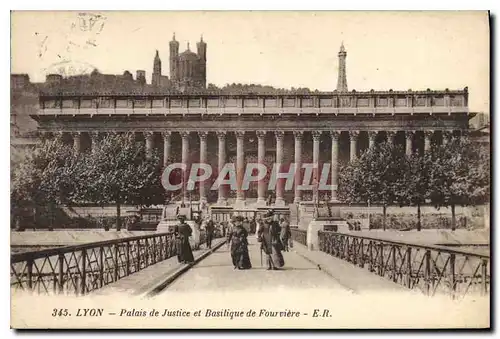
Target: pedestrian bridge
147, 265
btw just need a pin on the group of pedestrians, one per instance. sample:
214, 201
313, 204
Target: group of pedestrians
274, 237
182, 233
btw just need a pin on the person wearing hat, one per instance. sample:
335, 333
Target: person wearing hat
182, 232
209, 231
253, 226
223, 226
246, 224
269, 238
285, 234
238, 240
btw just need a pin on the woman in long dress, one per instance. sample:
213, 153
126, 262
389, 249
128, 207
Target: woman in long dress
182, 232
238, 238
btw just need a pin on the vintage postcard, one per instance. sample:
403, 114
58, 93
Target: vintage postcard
258, 170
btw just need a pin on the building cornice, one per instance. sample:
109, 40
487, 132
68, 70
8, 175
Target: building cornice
207, 93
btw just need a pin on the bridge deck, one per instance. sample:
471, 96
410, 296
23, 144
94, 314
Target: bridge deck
216, 273
146, 280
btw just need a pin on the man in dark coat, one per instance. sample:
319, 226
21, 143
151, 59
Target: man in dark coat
182, 232
253, 225
246, 224
224, 228
285, 233
269, 237
209, 229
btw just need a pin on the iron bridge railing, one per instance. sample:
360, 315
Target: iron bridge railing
84, 268
299, 236
431, 269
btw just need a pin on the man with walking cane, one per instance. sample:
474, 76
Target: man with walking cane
269, 237
261, 256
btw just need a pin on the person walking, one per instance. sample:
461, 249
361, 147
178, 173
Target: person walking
238, 238
224, 228
182, 232
253, 226
209, 230
246, 224
285, 233
269, 237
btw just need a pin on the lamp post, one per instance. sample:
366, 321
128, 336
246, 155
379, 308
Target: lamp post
316, 197
183, 189
196, 230
190, 183
369, 214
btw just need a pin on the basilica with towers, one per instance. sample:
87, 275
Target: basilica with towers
187, 69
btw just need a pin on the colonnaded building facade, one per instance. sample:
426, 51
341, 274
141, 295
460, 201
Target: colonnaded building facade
188, 123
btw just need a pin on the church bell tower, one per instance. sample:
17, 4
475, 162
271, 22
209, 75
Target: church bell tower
174, 58
156, 70
202, 55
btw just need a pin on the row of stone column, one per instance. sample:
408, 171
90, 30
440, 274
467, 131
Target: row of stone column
94, 136
298, 135
240, 162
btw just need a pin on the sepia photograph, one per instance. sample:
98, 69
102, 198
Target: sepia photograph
250, 169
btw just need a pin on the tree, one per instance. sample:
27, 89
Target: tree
117, 170
479, 174
44, 177
459, 175
374, 177
212, 87
414, 184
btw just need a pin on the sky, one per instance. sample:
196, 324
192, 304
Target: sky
385, 50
